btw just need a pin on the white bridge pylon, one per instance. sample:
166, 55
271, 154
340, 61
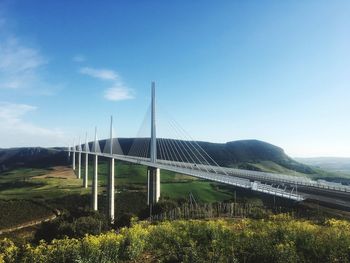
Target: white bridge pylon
86, 149
181, 156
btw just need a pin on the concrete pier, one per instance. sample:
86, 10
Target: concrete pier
68, 158
111, 190
153, 174
153, 185
73, 159
79, 165
85, 180
95, 185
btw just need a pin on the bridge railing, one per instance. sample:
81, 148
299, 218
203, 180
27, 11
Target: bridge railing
232, 176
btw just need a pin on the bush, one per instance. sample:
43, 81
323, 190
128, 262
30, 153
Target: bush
276, 239
8, 251
124, 220
94, 223
17, 212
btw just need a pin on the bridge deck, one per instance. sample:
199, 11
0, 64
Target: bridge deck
216, 174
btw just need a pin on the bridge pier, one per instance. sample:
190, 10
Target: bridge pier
73, 160
95, 184
153, 185
79, 165
85, 179
68, 158
153, 174
111, 191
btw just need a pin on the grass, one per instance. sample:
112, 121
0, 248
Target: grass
22, 184
28, 187
173, 185
21, 174
203, 191
272, 167
16, 212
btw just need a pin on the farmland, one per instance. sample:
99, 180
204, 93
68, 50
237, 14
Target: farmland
27, 194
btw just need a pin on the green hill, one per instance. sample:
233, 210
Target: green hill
245, 154
30, 157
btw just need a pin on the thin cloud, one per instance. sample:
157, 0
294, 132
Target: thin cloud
16, 58
79, 58
20, 132
21, 68
18, 64
103, 74
118, 91
12, 113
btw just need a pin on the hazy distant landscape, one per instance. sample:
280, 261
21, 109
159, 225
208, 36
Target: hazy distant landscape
335, 164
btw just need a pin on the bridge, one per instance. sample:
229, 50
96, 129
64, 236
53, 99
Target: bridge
183, 157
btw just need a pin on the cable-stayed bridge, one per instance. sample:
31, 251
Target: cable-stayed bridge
184, 156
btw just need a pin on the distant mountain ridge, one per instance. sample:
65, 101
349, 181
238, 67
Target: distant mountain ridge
244, 152
241, 154
32, 157
337, 164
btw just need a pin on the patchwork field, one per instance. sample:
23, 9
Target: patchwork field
29, 194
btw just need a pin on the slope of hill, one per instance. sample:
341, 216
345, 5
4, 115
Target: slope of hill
30, 157
245, 154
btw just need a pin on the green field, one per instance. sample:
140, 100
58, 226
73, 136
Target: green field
20, 187
15, 212
20, 184
272, 167
173, 185
202, 190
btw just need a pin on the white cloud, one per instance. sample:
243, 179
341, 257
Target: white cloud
11, 113
79, 58
118, 91
19, 132
16, 58
22, 72
104, 74
21, 68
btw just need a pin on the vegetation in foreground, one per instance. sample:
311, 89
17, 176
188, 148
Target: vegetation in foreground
279, 239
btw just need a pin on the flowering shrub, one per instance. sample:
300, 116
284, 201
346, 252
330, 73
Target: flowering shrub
279, 239
8, 251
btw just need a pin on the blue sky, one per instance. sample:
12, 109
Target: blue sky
277, 71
